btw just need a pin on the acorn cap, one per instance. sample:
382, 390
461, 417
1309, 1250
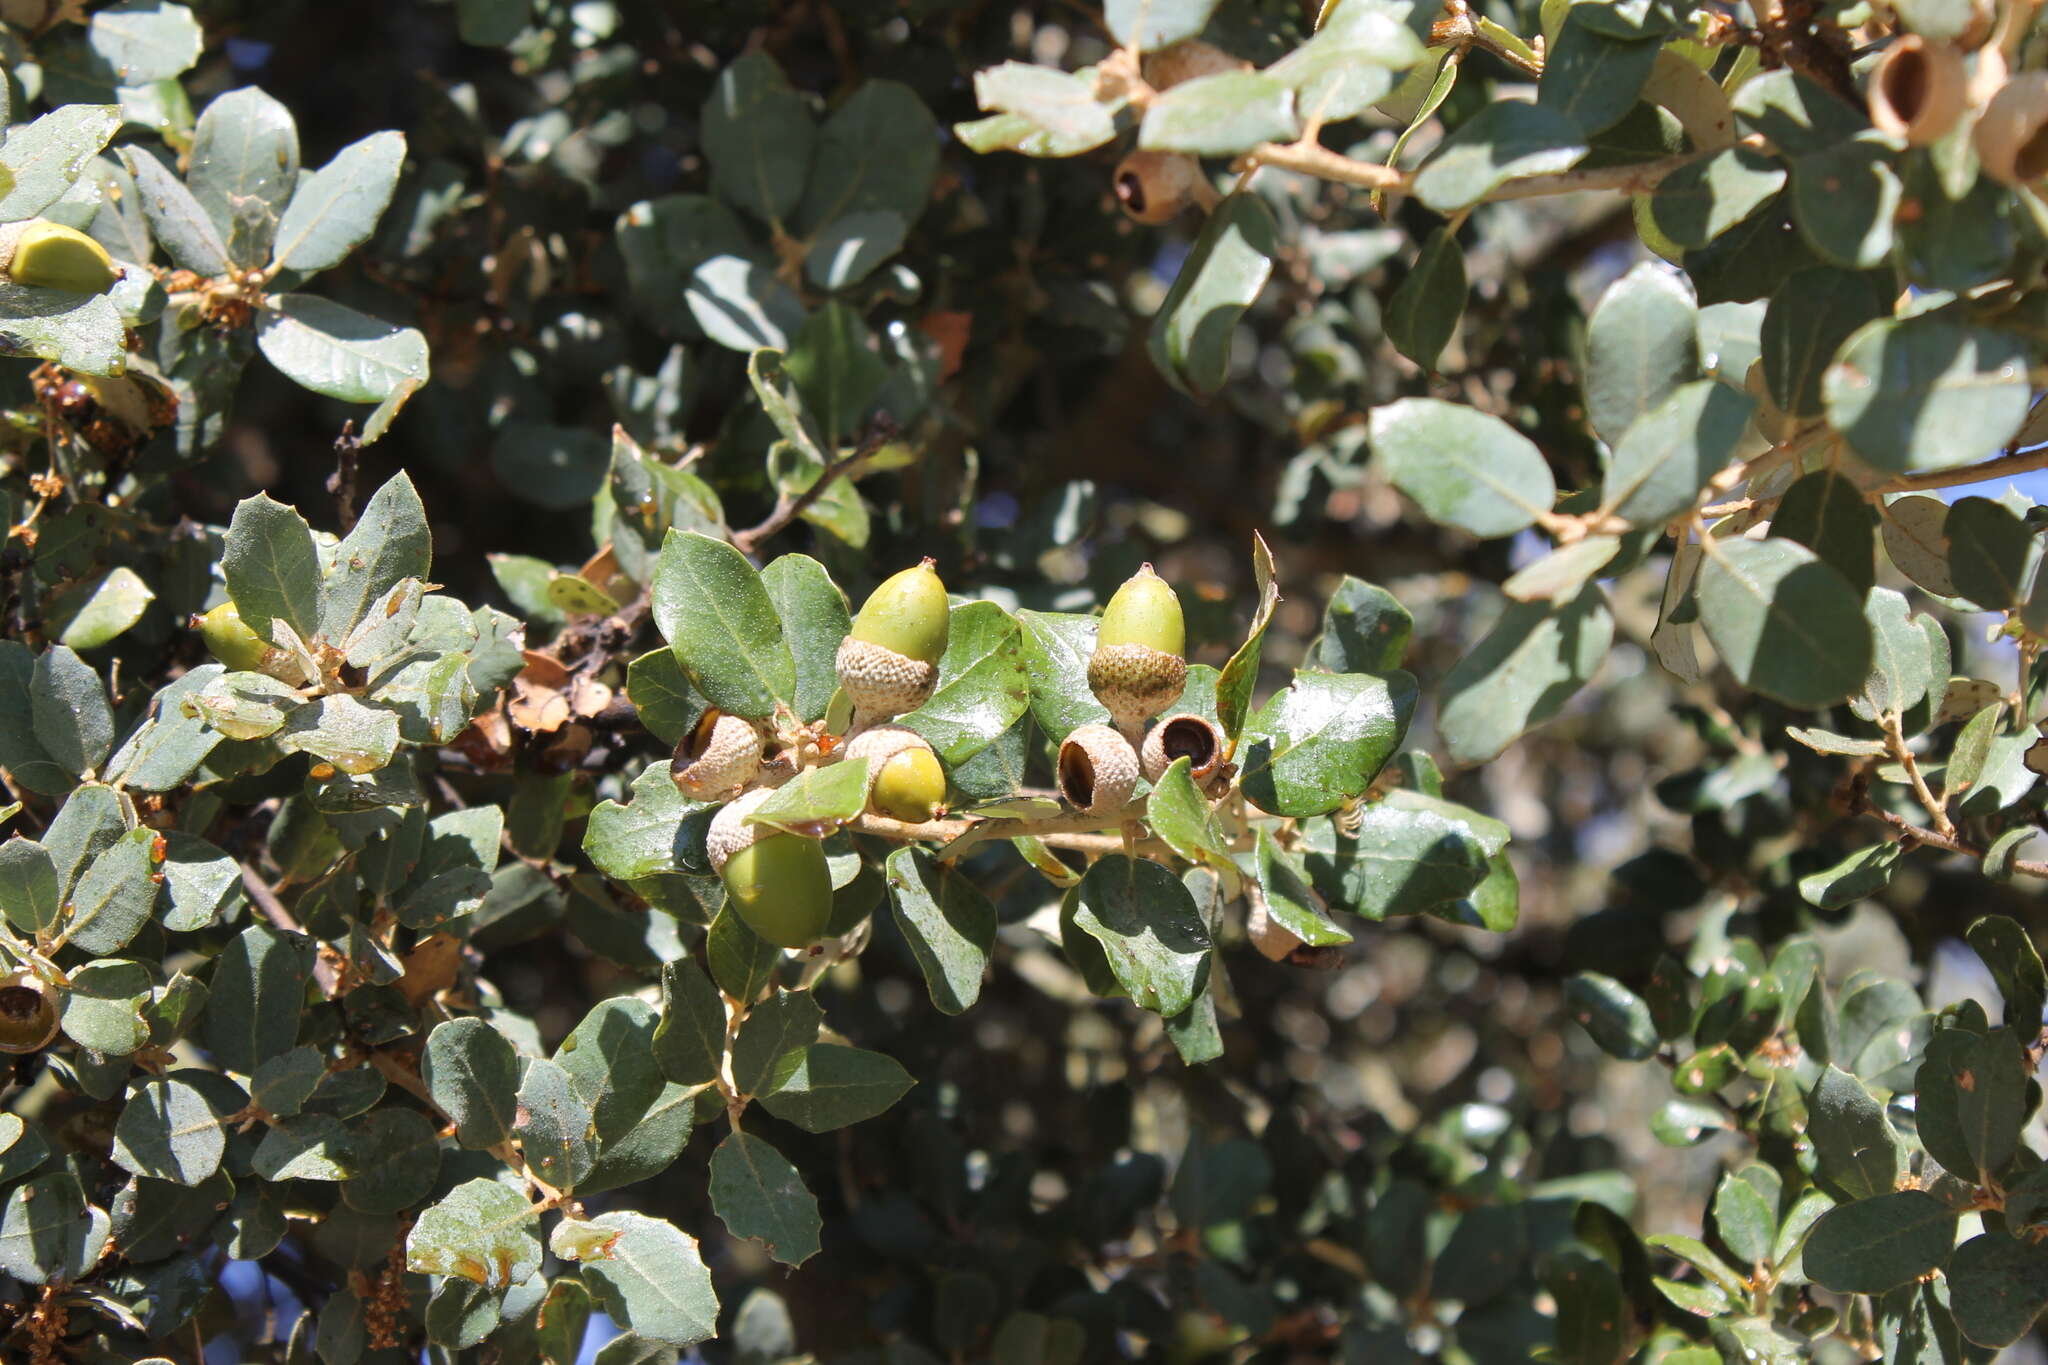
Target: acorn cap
1918, 90
880, 682
50, 255
720, 753
1196, 738
2012, 133
28, 1013
728, 833
907, 615
1097, 770
1154, 187
779, 883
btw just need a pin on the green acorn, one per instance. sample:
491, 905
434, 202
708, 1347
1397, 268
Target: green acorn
1137, 670
889, 661
51, 256
910, 787
777, 881
905, 779
28, 1013
231, 640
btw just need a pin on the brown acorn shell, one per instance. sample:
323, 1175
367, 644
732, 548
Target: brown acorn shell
720, 754
1185, 735
1918, 90
2012, 133
1153, 187
1097, 770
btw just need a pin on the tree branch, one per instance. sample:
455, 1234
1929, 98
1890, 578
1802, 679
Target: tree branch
788, 506
2012, 462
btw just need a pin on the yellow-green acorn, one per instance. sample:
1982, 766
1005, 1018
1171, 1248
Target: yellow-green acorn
889, 661
51, 256
1097, 770
231, 640
911, 787
777, 881
28, 1013
1137, 670
905, 779
720, 754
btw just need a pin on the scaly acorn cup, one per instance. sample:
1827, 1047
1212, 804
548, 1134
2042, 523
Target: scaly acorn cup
777, 881
1097, 770
889, 661
905, 779
1137, 670
229, 638
720, 754
1196, 738
1154, 187
50, 255
28, 1013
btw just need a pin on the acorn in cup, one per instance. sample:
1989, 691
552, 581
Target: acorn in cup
231, 640
905, 779
889, 662
777, 881
1137, 669
28, 1013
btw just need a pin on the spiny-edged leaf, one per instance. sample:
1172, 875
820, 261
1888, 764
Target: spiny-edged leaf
472, 1072
1321, 742
646, 1275
1463, 467
257, 997
1615, 1016
949, 923
1241, 673
717, 616
833, 1086
272, 568
775, 1029
1149, 928
1788, 625
758, 1194
1872, 1245
1524, 670
483, 1231
1219, 280
1859, 1153
2015, 964
690, 1041
1179, 813
1998, 1286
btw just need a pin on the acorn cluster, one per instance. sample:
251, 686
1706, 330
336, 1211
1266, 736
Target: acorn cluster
778, 880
